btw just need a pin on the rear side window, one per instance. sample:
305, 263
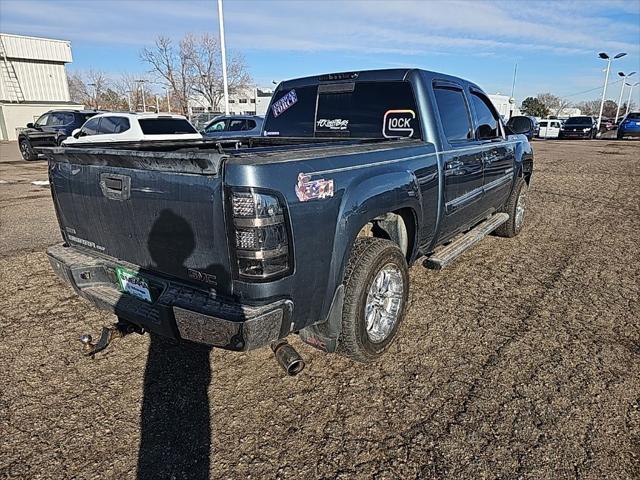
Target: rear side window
356, 109
454, 114
543, 124
60, 118
487, 123
237, 125
165, 126
113, 125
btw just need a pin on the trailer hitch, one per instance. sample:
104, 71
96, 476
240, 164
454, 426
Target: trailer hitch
108, 334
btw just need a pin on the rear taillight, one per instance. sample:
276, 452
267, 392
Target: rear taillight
260, 235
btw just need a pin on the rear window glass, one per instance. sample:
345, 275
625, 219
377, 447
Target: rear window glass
360, 110
165, 126
454, 114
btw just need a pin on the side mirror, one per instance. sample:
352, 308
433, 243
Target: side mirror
30, 125
520, 125
76, 133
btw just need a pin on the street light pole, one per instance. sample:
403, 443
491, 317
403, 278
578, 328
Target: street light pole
629, 100
624, 78
606, 57
166, 92
224, 59
95, 93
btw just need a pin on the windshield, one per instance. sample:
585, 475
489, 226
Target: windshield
345, 109
579, 121
633, 116
166, 126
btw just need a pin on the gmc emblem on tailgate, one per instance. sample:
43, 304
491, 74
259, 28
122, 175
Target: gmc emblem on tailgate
202, 277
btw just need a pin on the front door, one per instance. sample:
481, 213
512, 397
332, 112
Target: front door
498, 152
462, 161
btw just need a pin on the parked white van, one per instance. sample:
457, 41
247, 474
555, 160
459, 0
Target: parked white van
549, 128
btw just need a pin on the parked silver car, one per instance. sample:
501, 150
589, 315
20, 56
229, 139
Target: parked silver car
233, 126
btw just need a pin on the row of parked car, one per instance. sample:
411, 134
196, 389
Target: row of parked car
586, 127
74, 127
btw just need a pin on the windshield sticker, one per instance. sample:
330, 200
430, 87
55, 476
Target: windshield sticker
279, 107
334, 124
397, 123
308, 189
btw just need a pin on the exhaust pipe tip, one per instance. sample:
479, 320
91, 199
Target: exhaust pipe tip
288, 358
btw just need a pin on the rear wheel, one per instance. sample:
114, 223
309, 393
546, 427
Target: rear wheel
376, 296
516, 208
26, 150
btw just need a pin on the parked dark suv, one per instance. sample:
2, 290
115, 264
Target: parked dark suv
579, 127
50, 130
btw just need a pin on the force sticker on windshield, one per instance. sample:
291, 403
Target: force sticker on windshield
286, 102
397, 123
308, 189
333, 124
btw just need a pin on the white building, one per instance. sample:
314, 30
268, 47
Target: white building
33, 80
252, 101
506, 106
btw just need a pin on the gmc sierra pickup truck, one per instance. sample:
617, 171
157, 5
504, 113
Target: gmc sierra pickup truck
308, 229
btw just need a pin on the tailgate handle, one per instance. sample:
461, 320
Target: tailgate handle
115, 186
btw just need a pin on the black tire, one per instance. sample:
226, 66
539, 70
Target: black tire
620, 135
367, 259
26, 150
511, 227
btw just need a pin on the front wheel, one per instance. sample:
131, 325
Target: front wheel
375, 301
516, 208
26, 150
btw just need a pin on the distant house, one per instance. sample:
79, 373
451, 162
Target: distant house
33, 80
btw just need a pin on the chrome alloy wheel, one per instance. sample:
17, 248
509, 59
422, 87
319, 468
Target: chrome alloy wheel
520, 207
384, 302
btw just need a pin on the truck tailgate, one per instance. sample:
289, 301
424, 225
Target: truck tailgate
162, 211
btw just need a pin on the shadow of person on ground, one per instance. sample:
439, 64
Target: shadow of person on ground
175, 437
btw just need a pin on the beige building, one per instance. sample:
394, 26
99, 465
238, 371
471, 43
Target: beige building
33, 80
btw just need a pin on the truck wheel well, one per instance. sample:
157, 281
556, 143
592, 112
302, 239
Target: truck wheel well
398, 226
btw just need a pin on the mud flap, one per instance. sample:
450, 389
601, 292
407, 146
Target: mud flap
324, 336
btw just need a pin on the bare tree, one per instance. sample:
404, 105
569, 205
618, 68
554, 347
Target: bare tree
193, 69
205, 65
128, 87
554, 103
589, 107
171, 65
90, 88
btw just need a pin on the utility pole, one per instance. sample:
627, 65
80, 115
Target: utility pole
157, 104
224, 59
512, 100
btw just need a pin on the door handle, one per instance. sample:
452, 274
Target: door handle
115, 186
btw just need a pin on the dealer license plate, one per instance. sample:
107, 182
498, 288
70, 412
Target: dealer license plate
132, 284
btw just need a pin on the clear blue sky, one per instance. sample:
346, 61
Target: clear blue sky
554, 43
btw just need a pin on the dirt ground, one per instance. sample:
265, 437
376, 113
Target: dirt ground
522, 360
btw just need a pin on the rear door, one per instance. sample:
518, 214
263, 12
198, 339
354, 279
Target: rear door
463, 161
498, 154
544, 125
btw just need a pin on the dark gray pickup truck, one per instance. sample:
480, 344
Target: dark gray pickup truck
308, 229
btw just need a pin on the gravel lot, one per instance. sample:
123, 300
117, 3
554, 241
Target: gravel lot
522, 360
